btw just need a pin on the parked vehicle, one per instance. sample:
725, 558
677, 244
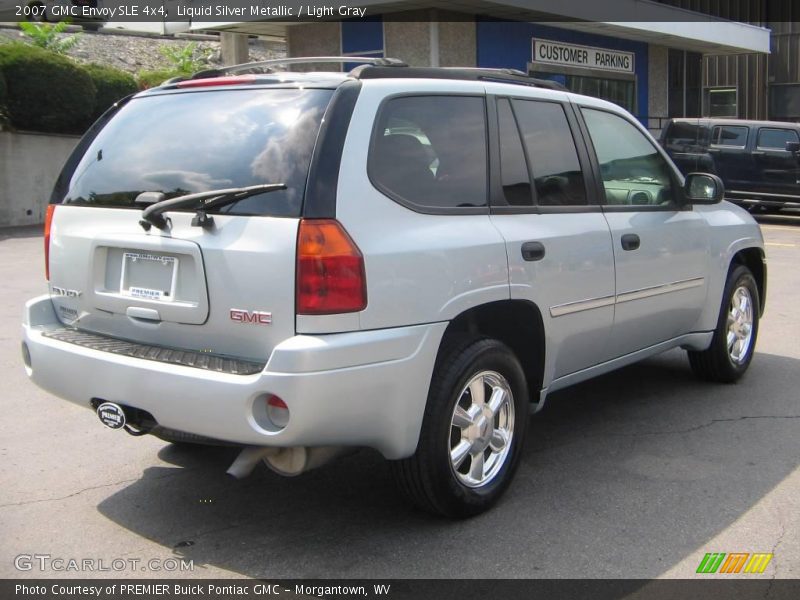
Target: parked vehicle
757, 160
407, 259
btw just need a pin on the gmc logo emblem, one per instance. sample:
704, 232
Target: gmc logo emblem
256, 317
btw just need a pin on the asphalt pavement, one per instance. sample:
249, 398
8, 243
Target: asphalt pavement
636, 474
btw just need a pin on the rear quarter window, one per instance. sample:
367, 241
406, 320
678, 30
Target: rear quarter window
686, 137
429, 152
182, 143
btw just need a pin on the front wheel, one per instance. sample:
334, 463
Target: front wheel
734, 340
472, 432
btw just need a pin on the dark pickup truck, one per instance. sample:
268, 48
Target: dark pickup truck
756, 160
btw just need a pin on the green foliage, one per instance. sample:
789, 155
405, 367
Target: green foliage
148, 79
186, 59
48, 37
111, 84
45, 92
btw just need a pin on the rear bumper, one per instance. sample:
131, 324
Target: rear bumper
354, 389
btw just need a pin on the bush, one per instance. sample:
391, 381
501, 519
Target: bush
112, 85
148, 79
46, 92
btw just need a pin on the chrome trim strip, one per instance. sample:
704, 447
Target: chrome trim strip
581, 305
656, 290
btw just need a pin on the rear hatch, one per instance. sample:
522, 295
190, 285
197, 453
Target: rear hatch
225, 289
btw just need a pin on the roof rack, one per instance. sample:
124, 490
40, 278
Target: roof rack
386, 68
268, 65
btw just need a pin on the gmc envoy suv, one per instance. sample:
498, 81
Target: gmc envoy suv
406, 259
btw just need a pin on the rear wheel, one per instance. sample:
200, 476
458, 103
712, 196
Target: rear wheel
472, 432
734, 340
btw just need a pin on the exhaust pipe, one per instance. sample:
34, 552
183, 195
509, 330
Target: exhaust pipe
248, 459
288, 462
299, 459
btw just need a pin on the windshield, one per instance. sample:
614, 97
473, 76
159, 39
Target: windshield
186, 143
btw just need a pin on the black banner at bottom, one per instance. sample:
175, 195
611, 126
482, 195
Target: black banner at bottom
401, 589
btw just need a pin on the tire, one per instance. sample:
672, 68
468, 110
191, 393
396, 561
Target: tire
723, 362
430, 479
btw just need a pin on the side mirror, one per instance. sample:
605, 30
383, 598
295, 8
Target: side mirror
703, 188
793, 146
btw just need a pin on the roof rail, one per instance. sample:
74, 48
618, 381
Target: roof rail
269, 64
464, 73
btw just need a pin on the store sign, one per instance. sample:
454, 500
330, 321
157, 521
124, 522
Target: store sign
570, 55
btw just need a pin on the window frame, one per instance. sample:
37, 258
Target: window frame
774, 128
497, 198
676, 180
422, 208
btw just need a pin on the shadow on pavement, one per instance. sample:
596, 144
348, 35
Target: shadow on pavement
623, 476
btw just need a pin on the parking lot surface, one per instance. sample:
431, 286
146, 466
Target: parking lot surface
636, 474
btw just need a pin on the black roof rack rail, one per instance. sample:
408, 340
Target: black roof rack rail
268, 65
464, 73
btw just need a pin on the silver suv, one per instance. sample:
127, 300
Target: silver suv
407, 259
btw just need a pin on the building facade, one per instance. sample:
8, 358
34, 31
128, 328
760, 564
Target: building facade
680, 58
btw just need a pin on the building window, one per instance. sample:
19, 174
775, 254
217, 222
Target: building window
685, 73
722, 102
619, 91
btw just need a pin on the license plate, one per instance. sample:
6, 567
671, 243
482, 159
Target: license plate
148, 276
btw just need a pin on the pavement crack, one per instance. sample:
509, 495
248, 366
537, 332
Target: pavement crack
87, 489
704, 425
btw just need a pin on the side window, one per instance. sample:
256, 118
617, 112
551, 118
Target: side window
633, 172
513, 169
729, 135
775, 139
552, 157
686, 137
430, 151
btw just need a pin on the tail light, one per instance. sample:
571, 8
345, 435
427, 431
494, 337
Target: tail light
48, 220
330, 270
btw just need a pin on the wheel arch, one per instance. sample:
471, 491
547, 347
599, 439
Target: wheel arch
753, 259
516, 323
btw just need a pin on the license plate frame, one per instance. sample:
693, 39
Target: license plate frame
145, 290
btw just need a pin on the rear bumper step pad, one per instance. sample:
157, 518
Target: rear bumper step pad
184, 358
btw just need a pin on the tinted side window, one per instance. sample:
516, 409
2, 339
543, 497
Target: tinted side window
686, 137
430, 151
727, 135
513, 169
633, 172
775, 139
552, 157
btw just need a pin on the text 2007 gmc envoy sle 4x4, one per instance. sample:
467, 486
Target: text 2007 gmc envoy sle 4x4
407, 259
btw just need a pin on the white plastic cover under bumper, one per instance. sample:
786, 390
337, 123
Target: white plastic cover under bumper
365, 388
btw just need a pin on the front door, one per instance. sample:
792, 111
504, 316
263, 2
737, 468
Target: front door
660, 248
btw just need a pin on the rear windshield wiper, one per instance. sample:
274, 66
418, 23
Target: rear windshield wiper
208, 200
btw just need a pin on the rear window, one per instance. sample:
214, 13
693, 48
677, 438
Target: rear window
198, 141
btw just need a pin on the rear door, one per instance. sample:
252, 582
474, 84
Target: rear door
660, 248
558, 243
226, 289
730, 151
775, 168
